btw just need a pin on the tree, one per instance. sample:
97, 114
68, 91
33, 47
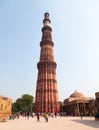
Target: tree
25, 103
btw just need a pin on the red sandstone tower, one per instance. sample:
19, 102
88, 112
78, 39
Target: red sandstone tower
46, 90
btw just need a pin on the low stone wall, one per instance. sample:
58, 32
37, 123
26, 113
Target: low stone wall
5, 108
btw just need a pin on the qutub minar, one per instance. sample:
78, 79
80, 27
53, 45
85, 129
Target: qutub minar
46, 90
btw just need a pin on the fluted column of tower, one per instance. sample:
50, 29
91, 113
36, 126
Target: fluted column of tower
46, 90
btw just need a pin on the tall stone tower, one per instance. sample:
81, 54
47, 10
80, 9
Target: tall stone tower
46, 91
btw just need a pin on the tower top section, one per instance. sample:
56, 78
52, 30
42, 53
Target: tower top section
46, 21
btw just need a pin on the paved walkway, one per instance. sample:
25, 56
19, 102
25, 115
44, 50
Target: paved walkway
59, 123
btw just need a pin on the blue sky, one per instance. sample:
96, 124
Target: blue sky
75, 25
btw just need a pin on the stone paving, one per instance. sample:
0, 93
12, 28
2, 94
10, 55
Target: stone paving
59, 123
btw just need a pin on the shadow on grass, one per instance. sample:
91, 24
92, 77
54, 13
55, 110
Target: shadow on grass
91, 123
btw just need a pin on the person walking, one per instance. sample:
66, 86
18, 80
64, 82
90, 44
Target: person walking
46, 116
38, 116
28, 114
55, 114
81, 115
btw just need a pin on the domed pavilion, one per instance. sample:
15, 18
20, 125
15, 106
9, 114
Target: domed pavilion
76, 104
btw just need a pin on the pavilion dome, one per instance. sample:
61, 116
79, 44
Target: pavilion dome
77, 95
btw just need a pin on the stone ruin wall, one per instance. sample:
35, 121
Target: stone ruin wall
97, 100
5, 108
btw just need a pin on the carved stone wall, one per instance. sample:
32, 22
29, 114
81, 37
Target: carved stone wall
5, 108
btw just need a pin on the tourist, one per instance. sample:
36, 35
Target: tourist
55, 114
81, 115
28, 115
38, 116
52, 114
46, 117
18, 114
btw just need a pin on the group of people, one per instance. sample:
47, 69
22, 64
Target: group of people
38, 115
45, 116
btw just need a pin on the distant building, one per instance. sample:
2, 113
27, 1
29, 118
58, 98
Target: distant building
97, 101
78, 104
5, 108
